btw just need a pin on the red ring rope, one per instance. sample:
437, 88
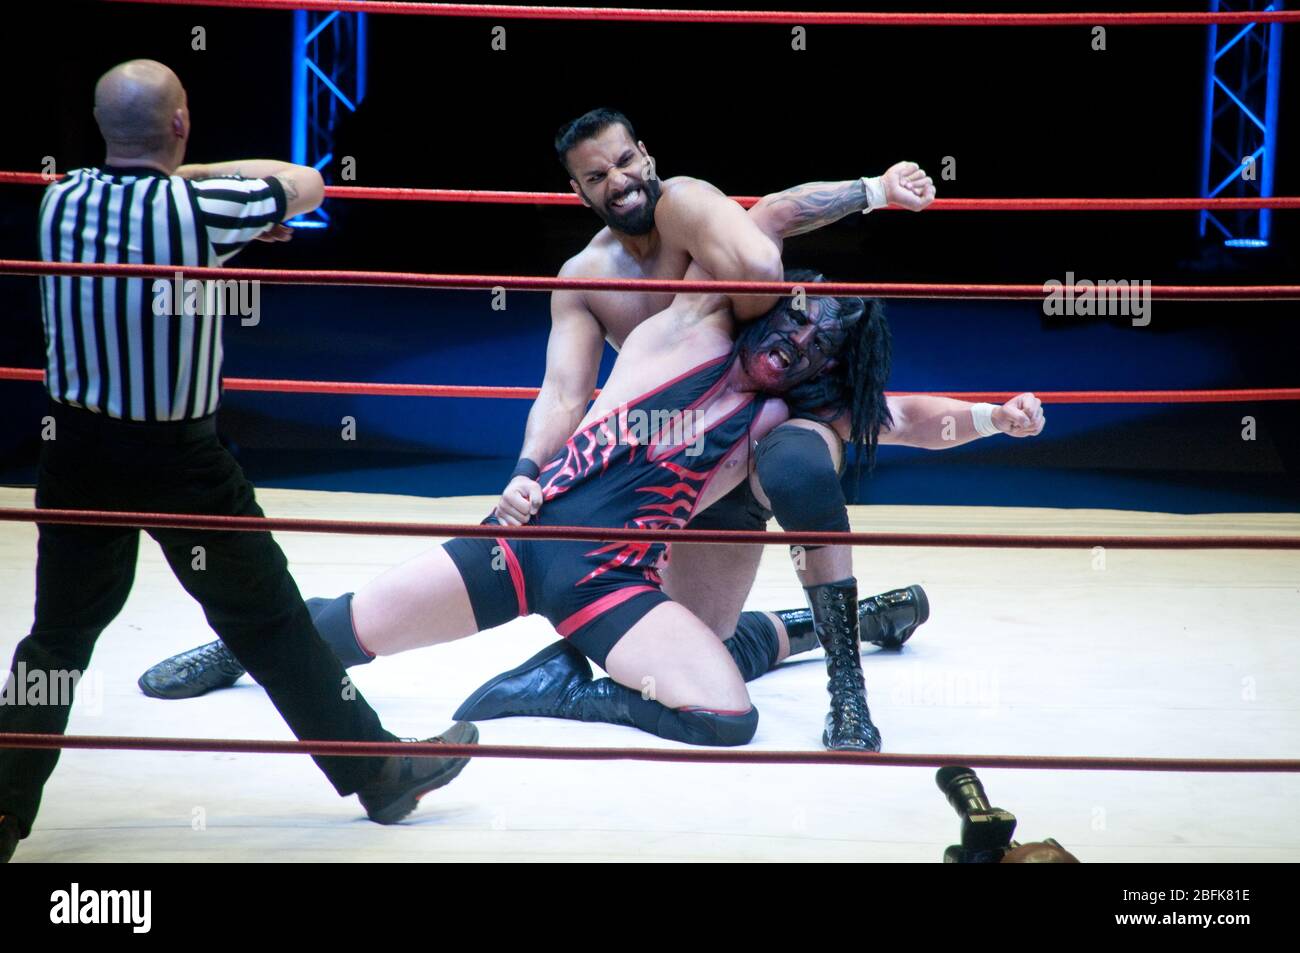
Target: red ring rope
519, 12
408, 279
377, 389
938, 205
361, 749
259, 524
499, 197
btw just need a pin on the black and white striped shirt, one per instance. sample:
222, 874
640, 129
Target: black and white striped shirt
105, 347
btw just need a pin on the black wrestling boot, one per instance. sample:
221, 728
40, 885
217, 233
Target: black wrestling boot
848, 725
213, 666
193, 673
555, 683
887, 620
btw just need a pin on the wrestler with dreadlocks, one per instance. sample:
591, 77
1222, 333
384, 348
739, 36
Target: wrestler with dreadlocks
829, 363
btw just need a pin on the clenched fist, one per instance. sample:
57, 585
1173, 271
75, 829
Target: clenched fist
907, 186
520, 501
1020, 416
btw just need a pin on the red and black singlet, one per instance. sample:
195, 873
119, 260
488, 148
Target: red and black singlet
644, 465
641, 465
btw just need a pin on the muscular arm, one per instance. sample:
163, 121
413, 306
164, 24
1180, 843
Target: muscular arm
806, 208
925, 422
572, 363
720, 237
940, 423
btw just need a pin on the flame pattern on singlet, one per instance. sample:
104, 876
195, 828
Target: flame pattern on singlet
602, 478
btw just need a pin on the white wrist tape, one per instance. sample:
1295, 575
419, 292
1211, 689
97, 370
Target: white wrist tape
981, 416
875, 193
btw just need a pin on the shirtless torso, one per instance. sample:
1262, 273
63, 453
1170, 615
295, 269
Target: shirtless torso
619, 313
712, 580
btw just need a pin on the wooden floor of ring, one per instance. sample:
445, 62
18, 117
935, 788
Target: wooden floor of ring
1188, 654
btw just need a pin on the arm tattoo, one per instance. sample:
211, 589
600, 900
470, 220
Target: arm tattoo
291, 190
806, 208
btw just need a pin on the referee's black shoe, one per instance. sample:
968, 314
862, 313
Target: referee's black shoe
403, 780
193, 673
9, 837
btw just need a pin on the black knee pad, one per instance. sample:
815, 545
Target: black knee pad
754, 646
333, 620
795, 469
723, 729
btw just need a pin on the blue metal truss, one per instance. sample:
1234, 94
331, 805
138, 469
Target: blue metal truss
1242, 75
329, 75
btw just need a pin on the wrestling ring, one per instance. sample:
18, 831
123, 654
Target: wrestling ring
1112, 666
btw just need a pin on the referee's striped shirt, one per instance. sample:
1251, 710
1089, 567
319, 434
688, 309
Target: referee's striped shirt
106, 349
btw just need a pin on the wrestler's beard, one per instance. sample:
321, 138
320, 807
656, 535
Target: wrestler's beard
639, 221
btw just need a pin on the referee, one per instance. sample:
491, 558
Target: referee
133, 397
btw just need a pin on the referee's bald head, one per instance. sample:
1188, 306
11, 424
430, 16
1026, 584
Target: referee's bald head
136, 106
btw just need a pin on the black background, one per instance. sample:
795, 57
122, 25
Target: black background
1024, 111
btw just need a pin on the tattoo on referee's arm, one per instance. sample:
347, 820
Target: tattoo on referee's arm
290, 190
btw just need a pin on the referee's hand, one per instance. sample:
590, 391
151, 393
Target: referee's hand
276, 233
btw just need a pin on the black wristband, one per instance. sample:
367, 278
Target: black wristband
526, 467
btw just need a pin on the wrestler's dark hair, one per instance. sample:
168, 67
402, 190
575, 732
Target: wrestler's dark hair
856, 380
588, 126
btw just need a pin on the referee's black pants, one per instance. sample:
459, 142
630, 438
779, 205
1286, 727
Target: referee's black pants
241, 579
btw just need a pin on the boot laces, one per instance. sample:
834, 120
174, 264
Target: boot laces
214, 654
847, 688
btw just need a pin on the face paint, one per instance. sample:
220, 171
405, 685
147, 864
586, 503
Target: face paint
786, 347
